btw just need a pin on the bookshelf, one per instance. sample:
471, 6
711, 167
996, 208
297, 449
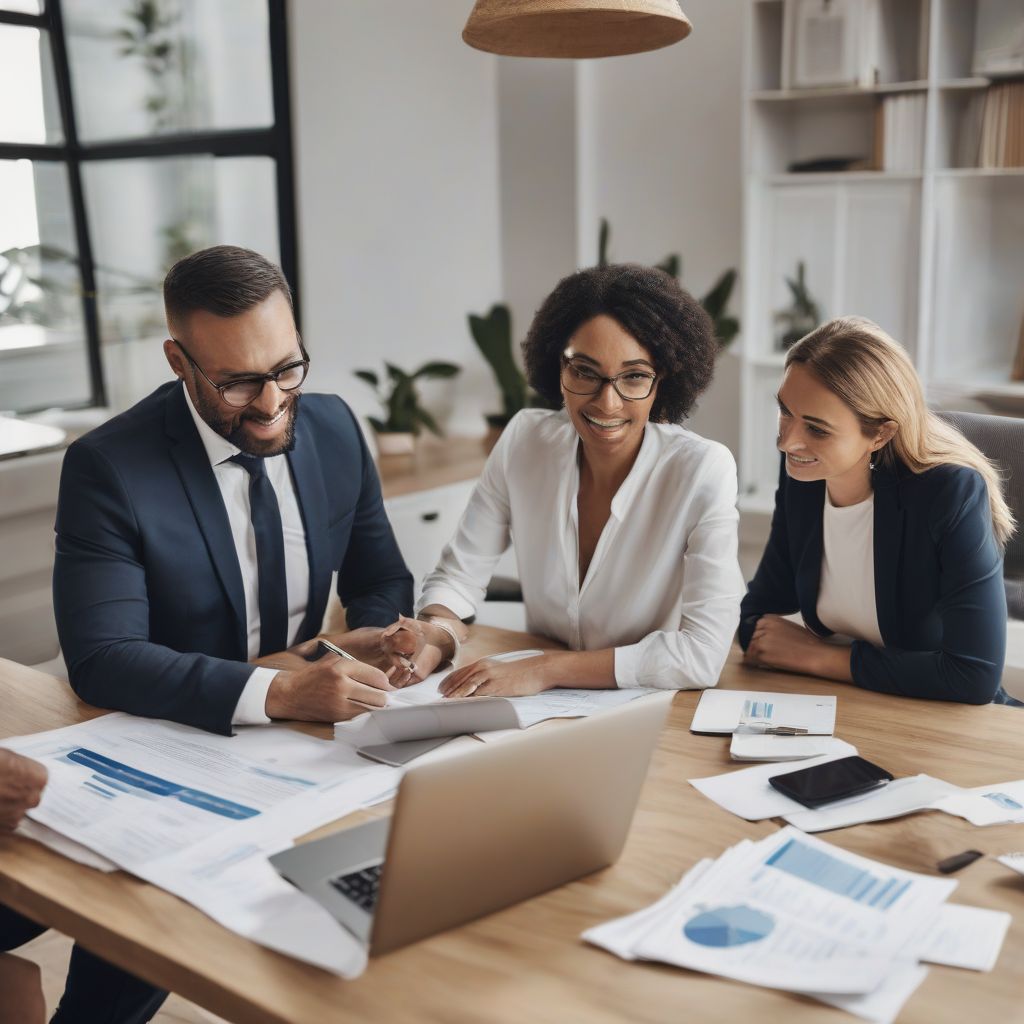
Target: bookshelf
932, 248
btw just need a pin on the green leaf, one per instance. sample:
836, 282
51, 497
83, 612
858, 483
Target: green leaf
428, 421
369, 376
671, 264
397, 375
493, 336
603, 235
717, 299
379, 425
437, 369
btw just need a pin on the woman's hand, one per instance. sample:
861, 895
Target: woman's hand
416, 647
781, 644
490, 678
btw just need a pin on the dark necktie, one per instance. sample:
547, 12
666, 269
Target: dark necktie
273, 583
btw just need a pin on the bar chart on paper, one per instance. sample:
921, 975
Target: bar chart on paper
831, 873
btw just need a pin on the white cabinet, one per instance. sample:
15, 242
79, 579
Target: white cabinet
425, 521
935, 254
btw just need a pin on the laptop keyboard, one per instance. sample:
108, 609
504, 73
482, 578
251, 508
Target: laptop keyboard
361, 887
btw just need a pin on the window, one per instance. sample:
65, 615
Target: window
143, 130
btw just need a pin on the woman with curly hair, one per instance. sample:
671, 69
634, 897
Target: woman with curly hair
624, 522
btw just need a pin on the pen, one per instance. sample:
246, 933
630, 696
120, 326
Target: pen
335, 649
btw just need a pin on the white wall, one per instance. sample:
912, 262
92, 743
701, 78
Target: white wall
538, 179
396, 146
659, 156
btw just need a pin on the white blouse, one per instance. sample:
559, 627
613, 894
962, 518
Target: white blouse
663, 587
846, 590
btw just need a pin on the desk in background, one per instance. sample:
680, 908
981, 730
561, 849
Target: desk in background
527, 962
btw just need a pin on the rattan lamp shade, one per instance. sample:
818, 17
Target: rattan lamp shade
574, 28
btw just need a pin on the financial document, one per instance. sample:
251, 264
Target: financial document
198, 814
721, 711
794, 913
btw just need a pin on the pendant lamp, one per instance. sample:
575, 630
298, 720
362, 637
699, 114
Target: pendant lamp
574, 28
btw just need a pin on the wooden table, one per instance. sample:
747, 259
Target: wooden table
527, 963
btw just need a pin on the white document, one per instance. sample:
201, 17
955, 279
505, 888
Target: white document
1014, 861
795, 913
747, 794
746, 746
485, 717
899, 797
883, 1005
721, 711
998, 804
198, 814
968, 937
137, 790
64, 846
984, 805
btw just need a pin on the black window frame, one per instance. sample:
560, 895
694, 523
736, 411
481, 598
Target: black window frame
274, 141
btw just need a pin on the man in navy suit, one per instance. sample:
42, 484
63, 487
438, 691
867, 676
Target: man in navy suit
197, 535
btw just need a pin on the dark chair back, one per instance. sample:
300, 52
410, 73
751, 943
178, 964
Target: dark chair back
1001, 439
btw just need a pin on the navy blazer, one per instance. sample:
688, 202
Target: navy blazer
939, 591
147, 588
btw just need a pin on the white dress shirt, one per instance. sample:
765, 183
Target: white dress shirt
233, 481
846, 591
663, 587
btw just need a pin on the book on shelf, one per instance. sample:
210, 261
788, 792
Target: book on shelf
899, 133
1001, 133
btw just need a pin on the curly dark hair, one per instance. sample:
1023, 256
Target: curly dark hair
647, 303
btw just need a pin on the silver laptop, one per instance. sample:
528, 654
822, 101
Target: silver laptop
479, 831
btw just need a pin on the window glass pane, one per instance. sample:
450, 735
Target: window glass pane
43, 359
146, 214
29, 111
145, 67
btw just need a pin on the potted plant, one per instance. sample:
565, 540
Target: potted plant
493, 336
405, 417
802, 315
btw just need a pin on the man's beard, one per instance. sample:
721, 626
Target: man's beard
232, 428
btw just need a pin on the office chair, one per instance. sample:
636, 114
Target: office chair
1001, 438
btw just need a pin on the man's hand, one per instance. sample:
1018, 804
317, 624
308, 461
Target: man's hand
330, 689
490, 678
21, 788
781, 644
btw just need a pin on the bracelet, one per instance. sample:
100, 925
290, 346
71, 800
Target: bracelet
435, 620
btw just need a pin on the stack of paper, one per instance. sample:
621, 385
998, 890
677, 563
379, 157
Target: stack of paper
792, 912
769, 726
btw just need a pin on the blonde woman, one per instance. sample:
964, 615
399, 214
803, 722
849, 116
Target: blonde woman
888, 531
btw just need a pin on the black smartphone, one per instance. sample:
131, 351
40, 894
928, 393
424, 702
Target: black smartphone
834, 780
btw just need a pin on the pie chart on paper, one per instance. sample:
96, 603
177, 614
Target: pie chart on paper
728, 926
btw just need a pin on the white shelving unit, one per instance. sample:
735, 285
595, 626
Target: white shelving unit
935, 255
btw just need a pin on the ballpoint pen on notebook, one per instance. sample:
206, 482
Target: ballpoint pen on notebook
756, 717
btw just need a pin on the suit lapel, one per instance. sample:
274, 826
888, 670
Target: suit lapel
808, 570
204, 495
312, 496
888, 531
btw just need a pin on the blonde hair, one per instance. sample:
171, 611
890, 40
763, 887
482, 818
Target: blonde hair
857, 361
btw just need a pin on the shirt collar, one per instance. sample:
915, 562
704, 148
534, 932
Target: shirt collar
218, 449
638, 473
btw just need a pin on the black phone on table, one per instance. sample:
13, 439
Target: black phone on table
834, 780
